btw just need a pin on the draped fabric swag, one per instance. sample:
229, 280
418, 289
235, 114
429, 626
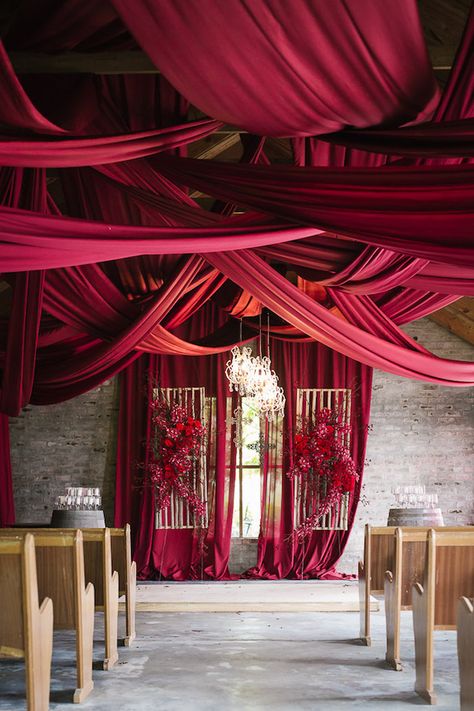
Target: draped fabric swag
377, 213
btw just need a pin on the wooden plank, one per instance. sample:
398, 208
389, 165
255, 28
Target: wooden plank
458, 318
126, 62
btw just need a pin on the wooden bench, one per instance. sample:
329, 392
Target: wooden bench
448, 575
465, 625
26, 629
379, 551
98, 570
60, 573
127, 571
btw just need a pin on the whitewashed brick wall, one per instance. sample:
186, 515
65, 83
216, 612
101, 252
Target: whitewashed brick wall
421, 434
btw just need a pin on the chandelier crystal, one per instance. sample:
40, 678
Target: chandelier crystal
252, 376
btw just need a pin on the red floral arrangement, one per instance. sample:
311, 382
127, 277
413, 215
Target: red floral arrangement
323, 465
176, 447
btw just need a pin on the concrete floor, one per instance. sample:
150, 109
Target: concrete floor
242, 661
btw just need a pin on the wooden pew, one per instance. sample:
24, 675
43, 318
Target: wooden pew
98, 571
379, 548
26, 629
407, 567
60, 572
449, 574
465, 625
127, 571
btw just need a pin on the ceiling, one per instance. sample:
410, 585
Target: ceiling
443, 22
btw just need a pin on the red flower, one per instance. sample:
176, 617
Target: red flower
169, 472
180, 427
169, 443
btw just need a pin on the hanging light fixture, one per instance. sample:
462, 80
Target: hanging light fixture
237, 369
252, 376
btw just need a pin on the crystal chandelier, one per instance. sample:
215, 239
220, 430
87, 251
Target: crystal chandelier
238, 369
252, 376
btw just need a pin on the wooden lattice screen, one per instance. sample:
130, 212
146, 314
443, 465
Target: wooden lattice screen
178, 515
308, 402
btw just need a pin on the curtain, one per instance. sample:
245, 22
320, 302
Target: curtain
175, 554
308, 365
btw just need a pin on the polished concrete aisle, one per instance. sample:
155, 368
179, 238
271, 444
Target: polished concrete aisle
248, 661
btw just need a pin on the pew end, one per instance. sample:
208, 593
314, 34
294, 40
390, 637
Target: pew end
26, 628
392, 621
465, 641
364, 606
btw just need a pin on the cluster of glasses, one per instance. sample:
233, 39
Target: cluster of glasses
79, 498
409, 497
252, 376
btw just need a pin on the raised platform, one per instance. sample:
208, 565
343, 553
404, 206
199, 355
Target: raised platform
250, 596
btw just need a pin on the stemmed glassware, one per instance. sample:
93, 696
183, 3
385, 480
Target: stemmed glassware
409, 497
80, 498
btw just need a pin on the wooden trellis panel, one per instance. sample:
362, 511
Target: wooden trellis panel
178, 515
308, 402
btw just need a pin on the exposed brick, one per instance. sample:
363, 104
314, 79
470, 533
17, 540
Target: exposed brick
56, 446
422, 434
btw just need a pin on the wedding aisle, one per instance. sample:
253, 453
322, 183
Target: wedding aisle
250, 596
247, 662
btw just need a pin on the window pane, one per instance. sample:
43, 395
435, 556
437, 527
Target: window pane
236, 514
251, 503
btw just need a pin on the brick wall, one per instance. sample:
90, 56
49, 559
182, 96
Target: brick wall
422, 434
69, 444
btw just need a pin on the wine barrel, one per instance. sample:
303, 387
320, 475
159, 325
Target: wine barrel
65, 518
415, 517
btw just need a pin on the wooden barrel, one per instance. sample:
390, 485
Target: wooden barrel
415, 517
63, 518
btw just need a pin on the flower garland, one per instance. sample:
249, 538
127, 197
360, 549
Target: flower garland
323, 465
175, 449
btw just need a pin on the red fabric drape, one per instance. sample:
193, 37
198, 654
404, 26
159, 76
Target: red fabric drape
82, 363
309, 365
175, 554
320, 68
66, 152
16, 109
284, 299
424, 211
32, 241
450, 138
7, 504
24, 188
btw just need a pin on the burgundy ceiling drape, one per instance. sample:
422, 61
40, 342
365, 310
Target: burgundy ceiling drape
32, 241
289, 70
67, 152
420, 211
25, 188
283, 298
